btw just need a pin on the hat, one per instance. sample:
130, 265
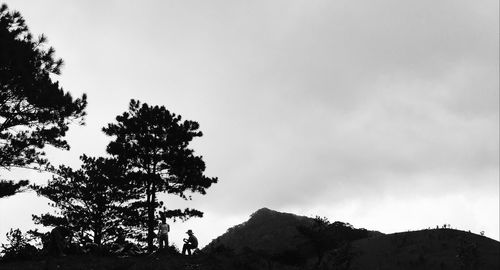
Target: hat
189, 232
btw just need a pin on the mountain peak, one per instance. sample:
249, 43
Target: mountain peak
263, 211
266, 230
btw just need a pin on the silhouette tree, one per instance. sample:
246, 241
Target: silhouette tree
34, 110
9, 188
91, 199
18, 247
153, 144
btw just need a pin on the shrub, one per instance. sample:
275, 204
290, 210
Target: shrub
18, 247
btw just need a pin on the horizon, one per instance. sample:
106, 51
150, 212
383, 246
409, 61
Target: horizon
383, 115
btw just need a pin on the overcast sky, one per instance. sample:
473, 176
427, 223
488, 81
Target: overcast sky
384, 114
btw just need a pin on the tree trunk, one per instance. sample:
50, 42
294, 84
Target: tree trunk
98, 233
151, 218
98, 238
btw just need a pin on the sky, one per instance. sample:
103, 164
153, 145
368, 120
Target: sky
383, 114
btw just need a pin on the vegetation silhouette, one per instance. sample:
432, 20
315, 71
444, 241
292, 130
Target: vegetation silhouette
34, 110
9, 187
326, 236
425, 249
18, 247
153, 145
91, 200
287, 239
110, 200
319, 236
106, 197
111, 197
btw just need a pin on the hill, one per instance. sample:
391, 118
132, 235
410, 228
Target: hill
266, 230
272, 233
271, 240
426, 249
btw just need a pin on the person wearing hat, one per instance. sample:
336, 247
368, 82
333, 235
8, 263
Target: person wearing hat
190, 243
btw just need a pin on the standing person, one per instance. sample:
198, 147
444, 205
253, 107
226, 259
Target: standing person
190, 243
163, 230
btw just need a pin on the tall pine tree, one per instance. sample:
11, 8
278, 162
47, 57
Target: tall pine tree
153, 143
34, 109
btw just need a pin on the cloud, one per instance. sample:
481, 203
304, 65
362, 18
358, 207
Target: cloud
303, 105
408, 104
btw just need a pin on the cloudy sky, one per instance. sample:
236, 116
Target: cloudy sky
384, 114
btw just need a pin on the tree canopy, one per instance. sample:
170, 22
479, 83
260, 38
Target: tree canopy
153, 144
34, 109
91, 199
9, 188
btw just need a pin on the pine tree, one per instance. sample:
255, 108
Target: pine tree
153, 143
34, 109
91, 200
9, 188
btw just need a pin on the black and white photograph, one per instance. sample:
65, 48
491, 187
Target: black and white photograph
249, 134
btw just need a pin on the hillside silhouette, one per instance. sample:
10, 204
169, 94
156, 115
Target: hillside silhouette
427, 249
271, 232
275, 240
266, 230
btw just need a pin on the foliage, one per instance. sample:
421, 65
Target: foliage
19, 247
34, 110
319, 236
326, 236
181, 214
9, 188
91, 200
153, 144
345, 232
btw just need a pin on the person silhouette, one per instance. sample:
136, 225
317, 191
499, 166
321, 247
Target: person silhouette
163, 230
190, 243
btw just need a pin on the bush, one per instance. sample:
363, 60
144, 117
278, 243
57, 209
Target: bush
18, 247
